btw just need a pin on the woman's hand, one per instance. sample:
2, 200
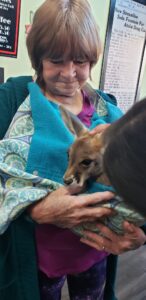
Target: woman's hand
133, 238
65, 210
99, 129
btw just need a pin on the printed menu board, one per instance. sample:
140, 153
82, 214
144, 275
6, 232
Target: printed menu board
124, 52
9, 27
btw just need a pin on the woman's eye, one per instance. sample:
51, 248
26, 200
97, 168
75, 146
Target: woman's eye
56, 62
86, 162
79, 62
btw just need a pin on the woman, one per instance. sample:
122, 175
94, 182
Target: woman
63, 46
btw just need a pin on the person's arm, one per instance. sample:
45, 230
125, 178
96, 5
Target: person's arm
12, 94
6, 108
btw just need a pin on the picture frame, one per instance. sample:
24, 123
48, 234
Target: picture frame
9, 27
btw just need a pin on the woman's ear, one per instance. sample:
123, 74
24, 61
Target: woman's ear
72, 122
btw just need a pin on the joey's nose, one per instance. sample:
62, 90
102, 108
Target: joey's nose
68, 181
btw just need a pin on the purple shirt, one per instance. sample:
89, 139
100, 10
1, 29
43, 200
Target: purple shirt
59, 250
87, 111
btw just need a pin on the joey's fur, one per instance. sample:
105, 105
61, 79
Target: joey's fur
85, 155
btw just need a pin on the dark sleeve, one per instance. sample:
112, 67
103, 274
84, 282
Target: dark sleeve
12, 94
5, 109
111, 271
144, 230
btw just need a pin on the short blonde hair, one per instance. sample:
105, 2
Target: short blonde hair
60, 27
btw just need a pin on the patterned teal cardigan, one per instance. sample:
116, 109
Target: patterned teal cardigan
18, 269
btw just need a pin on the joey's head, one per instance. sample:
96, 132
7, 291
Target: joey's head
85, 161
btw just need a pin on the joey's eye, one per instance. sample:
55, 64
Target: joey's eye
86, 162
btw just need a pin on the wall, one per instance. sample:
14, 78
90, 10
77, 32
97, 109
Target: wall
100, 10
143, 85
21, 65
142, 89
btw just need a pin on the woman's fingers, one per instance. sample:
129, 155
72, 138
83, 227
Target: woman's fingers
86, 209
65, 210
99, 129
95, 214
93, 244
103, 243
95, 198
133, 238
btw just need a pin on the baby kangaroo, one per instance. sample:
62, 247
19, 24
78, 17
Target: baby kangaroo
85, 157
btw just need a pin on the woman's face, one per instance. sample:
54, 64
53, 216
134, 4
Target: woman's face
65, 77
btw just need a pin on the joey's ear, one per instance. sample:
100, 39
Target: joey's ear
72, 122
78, 126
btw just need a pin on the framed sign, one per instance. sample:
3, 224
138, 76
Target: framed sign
124, 50
9, 27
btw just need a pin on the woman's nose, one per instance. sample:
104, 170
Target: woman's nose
68, 70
